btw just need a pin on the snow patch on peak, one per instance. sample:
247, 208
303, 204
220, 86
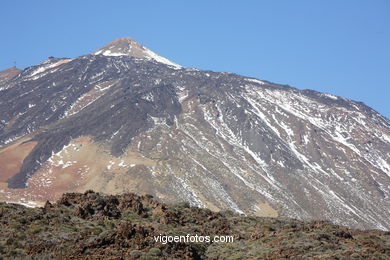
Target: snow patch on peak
330, 96
255, 81
152, 55
46, 65
129, 47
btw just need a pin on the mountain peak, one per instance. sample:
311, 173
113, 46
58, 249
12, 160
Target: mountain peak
129, 47
122, 47
9, 73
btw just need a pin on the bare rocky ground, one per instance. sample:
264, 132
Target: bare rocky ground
95, 226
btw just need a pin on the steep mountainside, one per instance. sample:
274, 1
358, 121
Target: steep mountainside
124, 119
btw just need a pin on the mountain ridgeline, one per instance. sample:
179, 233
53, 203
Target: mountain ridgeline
124, 119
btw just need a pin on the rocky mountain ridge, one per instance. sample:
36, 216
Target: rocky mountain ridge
118, 121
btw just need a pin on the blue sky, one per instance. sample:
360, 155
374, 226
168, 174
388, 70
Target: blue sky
338, 47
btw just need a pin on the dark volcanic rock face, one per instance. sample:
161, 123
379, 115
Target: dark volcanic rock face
115, 123
122, 107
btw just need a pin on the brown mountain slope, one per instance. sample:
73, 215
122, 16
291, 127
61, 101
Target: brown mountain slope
8, 74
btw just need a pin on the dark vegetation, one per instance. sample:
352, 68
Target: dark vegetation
96, 226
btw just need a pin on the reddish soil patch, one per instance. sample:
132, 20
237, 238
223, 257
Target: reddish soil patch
11, 158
